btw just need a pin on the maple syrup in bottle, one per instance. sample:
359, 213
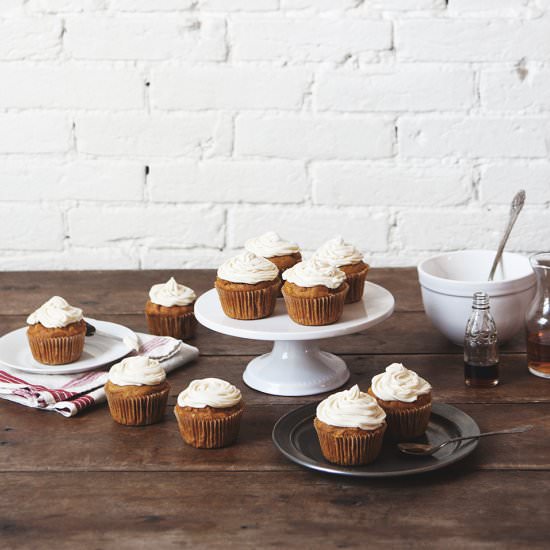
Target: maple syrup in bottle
537, 319
481, 360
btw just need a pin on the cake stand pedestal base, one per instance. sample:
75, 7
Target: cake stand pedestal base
294, 368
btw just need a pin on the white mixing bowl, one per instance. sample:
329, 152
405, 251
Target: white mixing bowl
448, 282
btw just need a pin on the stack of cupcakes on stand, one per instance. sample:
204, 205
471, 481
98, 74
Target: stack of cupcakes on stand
170, 310
284, 254
314, 292
56, 332
209, 413
248, 286
346, 257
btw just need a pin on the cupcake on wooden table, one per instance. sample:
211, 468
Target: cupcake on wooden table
248, 286
209, 413
350, 425
346, 257
314, 292
284, 254
137, 391
407, 400
56, 332
170, 310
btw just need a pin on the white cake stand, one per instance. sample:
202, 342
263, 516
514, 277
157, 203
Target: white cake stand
296, 366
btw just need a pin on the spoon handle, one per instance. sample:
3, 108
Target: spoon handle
518, 430
517, 204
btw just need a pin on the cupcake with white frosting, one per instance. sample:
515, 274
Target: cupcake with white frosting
170, 310
137, 391
314, 292
56, 332
284, 254
209, 413
248, 285
350, 425
349, 259
407, 400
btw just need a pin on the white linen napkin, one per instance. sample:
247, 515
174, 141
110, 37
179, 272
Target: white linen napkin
69, 394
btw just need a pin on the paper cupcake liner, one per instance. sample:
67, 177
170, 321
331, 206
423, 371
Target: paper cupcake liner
140, 410
324, 310
249, 304
57, 350
200, 431
408, 423
356, 282
361, 447
181, 327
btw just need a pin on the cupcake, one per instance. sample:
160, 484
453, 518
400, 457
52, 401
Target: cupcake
346, 257
169, 310
248, 286
137, 391
350, 426
209, 413
314, 292
270, 246
407, 400
56, 332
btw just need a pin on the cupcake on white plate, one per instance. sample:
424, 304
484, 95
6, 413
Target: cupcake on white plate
170, 310
350, 425
349, 259
284, 254
407, 400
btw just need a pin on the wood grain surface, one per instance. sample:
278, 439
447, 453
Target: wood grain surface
87, 481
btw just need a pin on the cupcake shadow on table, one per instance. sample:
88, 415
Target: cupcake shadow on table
170, 310
56, 332
209, 413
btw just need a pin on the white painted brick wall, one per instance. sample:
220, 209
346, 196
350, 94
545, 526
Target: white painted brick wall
143, 134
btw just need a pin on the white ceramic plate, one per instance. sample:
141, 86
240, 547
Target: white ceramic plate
98, 350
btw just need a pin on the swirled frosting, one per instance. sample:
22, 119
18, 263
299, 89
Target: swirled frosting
171, 294
314, 272
247, 268
55, 313
209, 392
137, 371
337, 252
270, 244
399, 384
351, 409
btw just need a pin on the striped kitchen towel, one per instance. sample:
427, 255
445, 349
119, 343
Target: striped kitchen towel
68, 394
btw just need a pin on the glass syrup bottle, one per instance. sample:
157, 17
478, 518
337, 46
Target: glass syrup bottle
481, 359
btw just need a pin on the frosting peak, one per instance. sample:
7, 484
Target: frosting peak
314, 272
337, 252
209, 392
137, 371
270, 244
399, 384
248, 268
55, 313
351, 409
171, 294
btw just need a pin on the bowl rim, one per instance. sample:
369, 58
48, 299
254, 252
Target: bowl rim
459, 288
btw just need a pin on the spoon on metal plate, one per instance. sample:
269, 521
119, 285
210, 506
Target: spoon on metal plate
515, 208
425, 449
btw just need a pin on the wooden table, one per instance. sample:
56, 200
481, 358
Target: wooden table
87, 481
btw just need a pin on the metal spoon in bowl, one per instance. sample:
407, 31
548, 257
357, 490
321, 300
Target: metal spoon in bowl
515, 208
425, 449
